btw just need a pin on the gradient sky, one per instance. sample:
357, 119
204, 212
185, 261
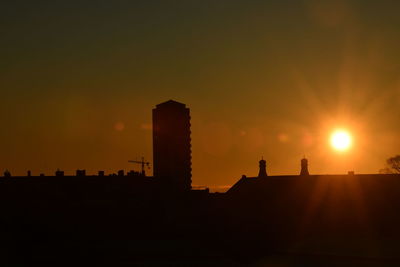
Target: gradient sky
78, 80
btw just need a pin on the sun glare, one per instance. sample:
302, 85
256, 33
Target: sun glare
340, 140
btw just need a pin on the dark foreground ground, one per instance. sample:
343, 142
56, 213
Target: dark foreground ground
335, 221
174, 253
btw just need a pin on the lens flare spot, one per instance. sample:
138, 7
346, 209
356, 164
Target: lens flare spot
119, 126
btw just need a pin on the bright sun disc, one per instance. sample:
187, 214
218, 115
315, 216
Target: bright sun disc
341, 140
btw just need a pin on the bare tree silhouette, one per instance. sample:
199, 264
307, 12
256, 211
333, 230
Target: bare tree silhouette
393, 165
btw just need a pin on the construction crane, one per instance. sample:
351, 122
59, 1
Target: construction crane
143, 163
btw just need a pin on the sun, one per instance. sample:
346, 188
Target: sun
341, 140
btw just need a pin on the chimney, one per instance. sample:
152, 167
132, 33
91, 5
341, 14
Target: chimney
59, 173
80, 172
304, 167
263, 168
7, 174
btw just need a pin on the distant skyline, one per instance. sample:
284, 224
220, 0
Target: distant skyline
79, 79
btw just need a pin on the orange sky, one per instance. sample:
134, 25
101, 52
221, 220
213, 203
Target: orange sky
78, 83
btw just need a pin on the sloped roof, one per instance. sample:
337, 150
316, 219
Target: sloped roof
256, 186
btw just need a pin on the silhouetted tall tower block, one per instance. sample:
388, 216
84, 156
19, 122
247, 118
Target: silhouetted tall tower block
304, 167
263, 168
171, 145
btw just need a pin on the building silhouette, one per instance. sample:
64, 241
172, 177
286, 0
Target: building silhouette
171, 145
161, 219
263, 168
304, 167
